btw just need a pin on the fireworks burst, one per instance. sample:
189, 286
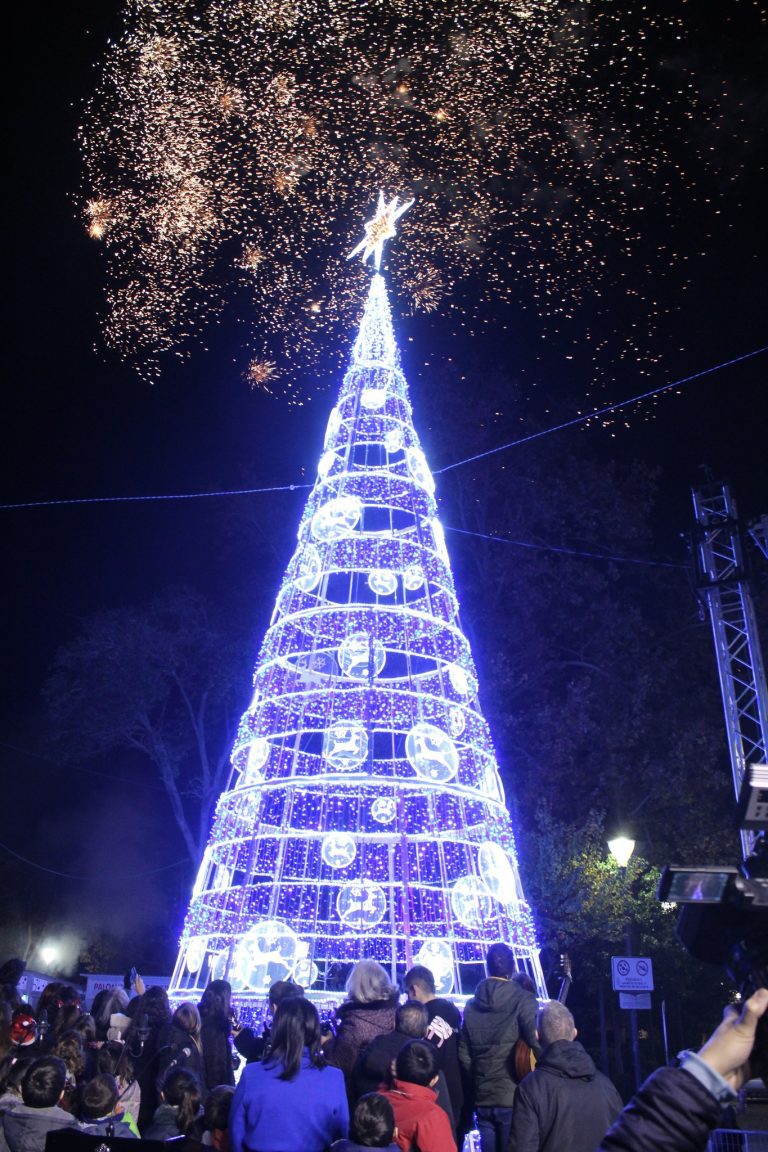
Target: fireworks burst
241, 142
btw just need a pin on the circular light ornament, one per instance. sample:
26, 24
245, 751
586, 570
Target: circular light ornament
471, 902
413, 577
325, 464
457, 721
337, 519
438, 957
361, 904
419, 469
361, 656
382, 581
383, 810
258, 754
497, 872
267, 953
310, 568
339, 849
195, 954
459, 679
393, 440
345, 745
431, 753
373, 398
334, 423
305, 972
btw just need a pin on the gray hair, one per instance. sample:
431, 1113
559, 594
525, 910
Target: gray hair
368, 982
554, 1022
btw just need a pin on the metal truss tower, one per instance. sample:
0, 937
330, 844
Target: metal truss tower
723, 580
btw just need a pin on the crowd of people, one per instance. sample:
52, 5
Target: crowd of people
388, 1072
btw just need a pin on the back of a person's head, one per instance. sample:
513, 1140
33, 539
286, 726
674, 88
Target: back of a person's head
218, 1104
44, 1082
155, 1005
368, 982
99, 1096
412, 1019
216, 1000
420, 977
187, 1019
524, 980
372, 1123
500, 961
296, 1026
416, 1063
181, 1089
71, 1049
114, 1059
283, 990
554, 1022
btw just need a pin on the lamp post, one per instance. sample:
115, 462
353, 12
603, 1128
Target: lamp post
621, 849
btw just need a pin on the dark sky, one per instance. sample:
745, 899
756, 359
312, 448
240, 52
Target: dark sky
79, 423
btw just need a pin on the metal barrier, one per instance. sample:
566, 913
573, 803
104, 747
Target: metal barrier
737, 1140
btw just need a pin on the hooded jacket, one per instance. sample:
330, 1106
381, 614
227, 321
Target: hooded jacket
565, 1104
420, 1121
499, 1013
671, 1112
26, 1128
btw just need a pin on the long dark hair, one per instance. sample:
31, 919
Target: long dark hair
181, 1089
296, 1027
216, 1000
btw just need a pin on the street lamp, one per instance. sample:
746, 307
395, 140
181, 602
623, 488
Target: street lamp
621, 849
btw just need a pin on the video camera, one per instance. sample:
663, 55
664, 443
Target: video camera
723, 914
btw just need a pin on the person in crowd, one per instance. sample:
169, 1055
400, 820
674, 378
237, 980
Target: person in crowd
11, 973
26, 1126
216, 1027
70, 1048
444, 1025
420, 1120
565, 1104
253, 1047
98, 1104
25, 1036
109, 1002
61, 1010
146, 1038
373, 1066
368, 1011
113, 1058
499, 1013
13, 1069
372, 1125
676, 1109
291, 1099
182, 1048
216, 1110
178, 1112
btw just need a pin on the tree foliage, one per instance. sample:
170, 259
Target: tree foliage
166, 680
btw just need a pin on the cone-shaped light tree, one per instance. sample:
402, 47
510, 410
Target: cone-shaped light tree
364, 815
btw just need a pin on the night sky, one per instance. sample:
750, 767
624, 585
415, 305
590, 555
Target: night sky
81, 423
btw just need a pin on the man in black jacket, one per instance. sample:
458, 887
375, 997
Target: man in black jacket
565, 1104
499, 1013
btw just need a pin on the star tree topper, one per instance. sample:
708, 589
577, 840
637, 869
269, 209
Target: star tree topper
380, 229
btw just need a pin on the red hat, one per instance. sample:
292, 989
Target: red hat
23, 1027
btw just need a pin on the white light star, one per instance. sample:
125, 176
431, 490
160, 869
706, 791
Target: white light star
380, 229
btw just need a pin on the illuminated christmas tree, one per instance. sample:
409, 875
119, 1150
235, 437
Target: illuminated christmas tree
364, 815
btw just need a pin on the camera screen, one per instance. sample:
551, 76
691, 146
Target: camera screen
689, 886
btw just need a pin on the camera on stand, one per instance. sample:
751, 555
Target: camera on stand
723, 911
